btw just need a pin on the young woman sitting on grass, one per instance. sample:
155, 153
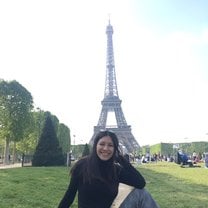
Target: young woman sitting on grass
97, 178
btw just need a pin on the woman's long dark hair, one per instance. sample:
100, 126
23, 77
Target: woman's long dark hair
91, 166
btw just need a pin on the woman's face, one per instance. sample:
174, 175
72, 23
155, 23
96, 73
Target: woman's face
105, 148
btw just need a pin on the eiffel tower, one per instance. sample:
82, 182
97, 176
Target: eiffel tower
112, 104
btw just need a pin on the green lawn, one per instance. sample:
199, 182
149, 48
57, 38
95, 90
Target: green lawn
171, 186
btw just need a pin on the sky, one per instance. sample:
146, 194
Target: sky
57, 51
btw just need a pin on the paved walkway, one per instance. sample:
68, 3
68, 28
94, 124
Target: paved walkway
16, 165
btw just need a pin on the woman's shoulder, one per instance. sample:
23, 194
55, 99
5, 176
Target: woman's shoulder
80, 164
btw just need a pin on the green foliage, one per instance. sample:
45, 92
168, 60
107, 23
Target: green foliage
39, 120
77, 150
198, 147
167, 148
15, 106
32, 136
54, 120
21, 124
162, 149
27, 145
48, 151
155, 149
86, 150
64, 137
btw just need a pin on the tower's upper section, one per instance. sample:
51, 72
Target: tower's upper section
110, 82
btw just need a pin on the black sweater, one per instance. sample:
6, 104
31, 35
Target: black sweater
99, 194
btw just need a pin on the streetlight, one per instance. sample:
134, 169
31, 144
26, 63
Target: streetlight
73, 152
74, 139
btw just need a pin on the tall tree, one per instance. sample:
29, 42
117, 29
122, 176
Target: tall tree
32, 135
62, 132
16, 104
30, 141
48, 151
64, 137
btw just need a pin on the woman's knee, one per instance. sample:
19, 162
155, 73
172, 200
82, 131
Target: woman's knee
139, 198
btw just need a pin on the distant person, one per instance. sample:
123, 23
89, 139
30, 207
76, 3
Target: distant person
96, 177
143, 159
194, 156
206, 160
183, 159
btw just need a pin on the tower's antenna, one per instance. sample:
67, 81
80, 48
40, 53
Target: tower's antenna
109, 18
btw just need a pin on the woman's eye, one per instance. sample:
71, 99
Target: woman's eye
109, 145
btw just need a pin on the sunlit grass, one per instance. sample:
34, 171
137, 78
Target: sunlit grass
171, 186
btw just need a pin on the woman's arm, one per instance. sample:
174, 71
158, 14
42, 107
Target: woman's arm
129, 175
70, 194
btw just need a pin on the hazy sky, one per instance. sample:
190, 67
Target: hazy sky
57, 51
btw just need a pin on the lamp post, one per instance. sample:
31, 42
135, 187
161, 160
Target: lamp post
69, 158
69, 154
74, 136
74, 139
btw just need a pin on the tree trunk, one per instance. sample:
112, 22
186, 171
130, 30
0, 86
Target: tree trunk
6, 152
14, 158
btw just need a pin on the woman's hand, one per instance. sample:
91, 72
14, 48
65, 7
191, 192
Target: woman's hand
122, 160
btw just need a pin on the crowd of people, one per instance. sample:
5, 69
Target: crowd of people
180, 157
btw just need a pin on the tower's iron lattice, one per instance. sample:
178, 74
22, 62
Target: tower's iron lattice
112, 103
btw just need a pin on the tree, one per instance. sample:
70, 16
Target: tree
63, 135
16, 104
62, 132
48, 152
86, 150
30, 141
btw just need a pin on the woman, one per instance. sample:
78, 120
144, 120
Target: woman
97, 177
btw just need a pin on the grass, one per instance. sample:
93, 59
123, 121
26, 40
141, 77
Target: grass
169, 184
32, 187
173, 186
